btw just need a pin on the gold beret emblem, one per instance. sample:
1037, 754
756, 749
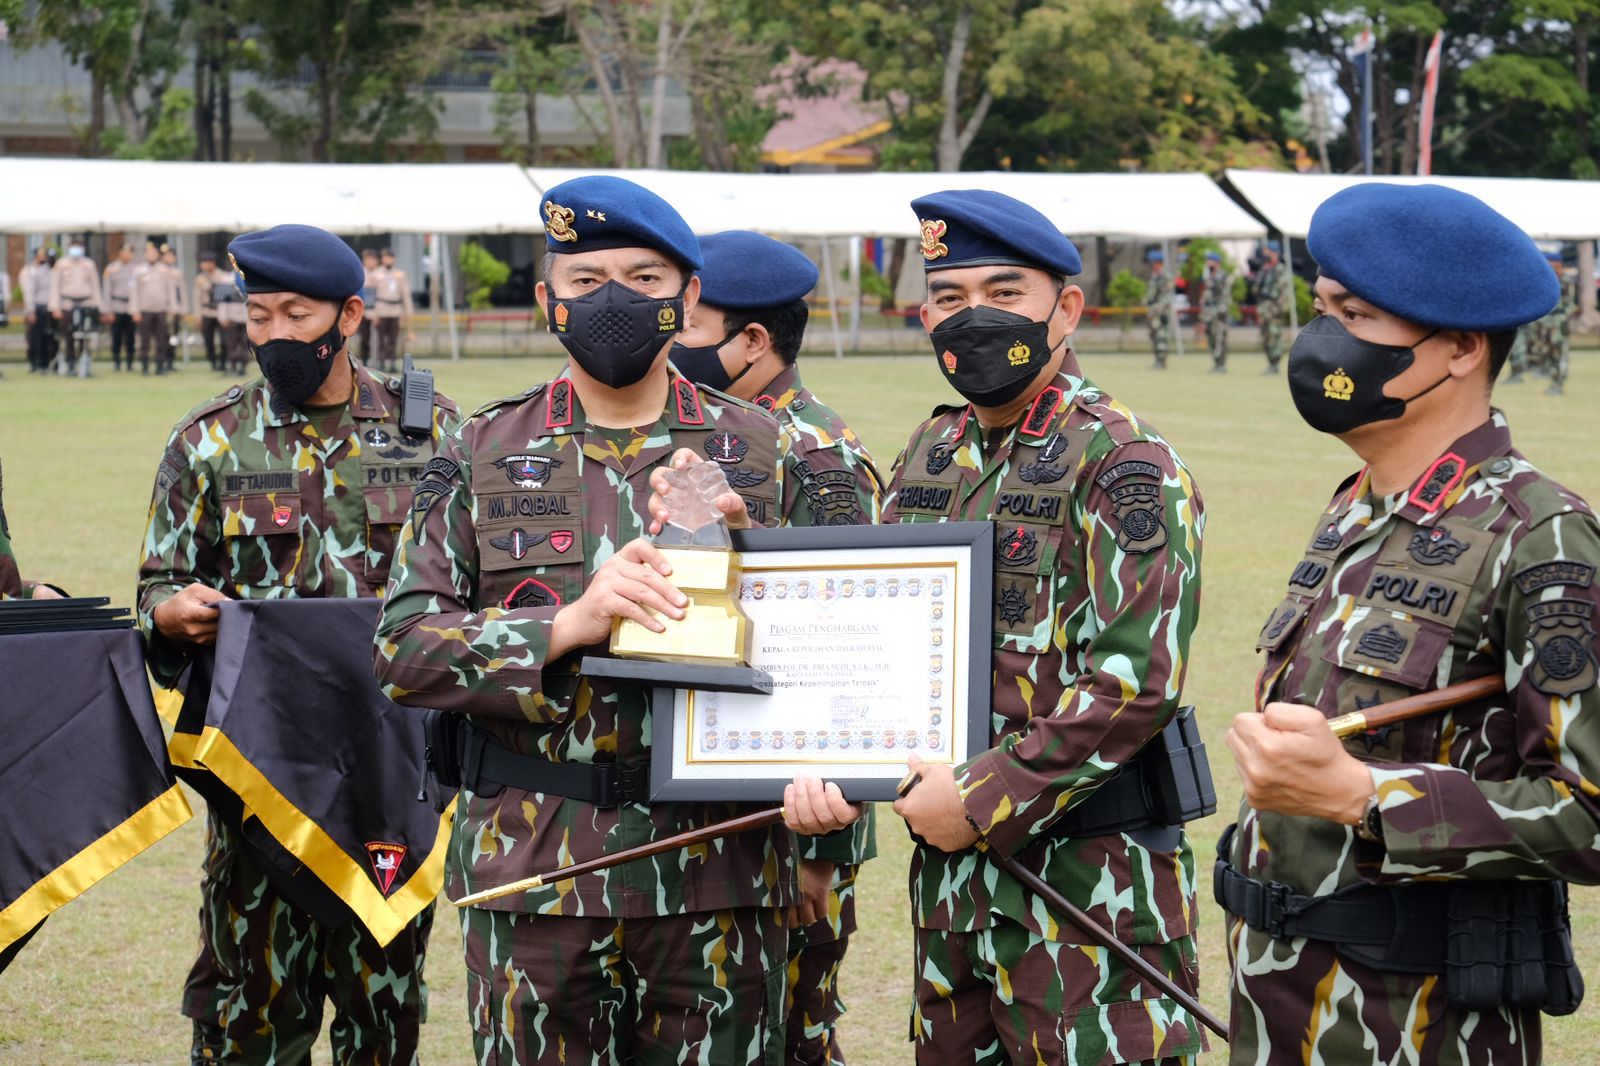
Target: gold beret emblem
1338, 386
558, 222
237, 269
932, 246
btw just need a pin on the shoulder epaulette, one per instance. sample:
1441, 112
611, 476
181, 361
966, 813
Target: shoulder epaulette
725, 400
234, 395
510, 401
1540, 498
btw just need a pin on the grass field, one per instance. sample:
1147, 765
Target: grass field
100, 983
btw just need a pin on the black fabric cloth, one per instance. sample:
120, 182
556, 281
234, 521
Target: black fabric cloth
291, 689
81, 752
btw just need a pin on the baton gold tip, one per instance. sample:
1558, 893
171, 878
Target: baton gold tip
907, 783
1348, 725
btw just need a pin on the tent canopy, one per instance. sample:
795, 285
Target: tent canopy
1545, 209
49, 195
878, 204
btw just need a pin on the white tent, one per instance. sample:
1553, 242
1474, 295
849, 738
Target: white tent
1138, 206
52, 195
1545, 209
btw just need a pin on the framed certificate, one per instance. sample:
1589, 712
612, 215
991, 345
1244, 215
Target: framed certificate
878, 640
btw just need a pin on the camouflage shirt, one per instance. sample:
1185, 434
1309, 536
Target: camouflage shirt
1484, 566
1159, 294
1552, 330
252, 498
1216, 298
1272, 290
10, 577
516, 514
1097, 590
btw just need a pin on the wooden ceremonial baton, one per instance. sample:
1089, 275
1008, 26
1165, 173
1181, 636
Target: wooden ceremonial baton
1095, 931
742, 824
1423, 703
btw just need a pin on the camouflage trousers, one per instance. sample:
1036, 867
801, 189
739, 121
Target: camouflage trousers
1299, 1002
702, 988
1160, 327
265, 968
1272, 338
1007, 995
1217, 339
812, 1006
1517, 360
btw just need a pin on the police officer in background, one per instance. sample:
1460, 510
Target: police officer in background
1274, 291
75, 304
1159, 295
1216, 307
118, 285
526, 544
155, 306
393, 309
205, 308
369, 296
36, 309
1398, 896
1097, 592
743, 339
298, 501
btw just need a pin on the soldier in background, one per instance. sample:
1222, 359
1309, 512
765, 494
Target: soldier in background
526, 542
75, 304
154, 305
743, 339
393, 310
369, 296
1097, 592
205, 309
1550, 344
1216, 306
1159, 296
36, 279
1274, 291
118, 284
1396, 896
286, 486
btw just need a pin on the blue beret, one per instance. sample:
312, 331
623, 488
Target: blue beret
599, 211
1213, 257
1274, 246
1155, 255
1433, 256
302, 259
1554, 255
977, 227
744, 269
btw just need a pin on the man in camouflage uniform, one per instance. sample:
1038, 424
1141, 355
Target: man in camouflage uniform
526, 542
1158, 299
1098, 528
1382, 887
1551, 343
1274, 291
1216, 306
743, 339
293, 485
11, 584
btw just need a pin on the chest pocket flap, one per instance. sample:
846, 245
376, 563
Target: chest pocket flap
1024, 585
268, 514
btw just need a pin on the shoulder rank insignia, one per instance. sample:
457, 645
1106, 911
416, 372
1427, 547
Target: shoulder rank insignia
1441, 477
559, 412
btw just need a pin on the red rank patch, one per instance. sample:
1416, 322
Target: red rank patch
688, 400
1432, 487
281, 515
561, 540
386, 859
1039, 416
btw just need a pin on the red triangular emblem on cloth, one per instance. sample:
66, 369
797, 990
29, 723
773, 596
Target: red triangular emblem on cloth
386, 859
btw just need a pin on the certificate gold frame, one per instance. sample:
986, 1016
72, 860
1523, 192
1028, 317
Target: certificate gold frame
879, 641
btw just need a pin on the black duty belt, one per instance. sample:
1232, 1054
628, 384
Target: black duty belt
487, 766
1123, 804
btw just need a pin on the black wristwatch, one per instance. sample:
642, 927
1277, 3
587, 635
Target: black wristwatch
1370, 828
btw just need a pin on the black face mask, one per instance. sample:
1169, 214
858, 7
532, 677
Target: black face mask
295, 370
1337, 379
991, 356
614, 333
703, 365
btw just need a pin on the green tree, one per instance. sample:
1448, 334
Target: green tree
481, 272
1125, 290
